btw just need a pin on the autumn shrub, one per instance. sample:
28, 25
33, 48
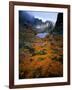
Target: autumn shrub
55, 69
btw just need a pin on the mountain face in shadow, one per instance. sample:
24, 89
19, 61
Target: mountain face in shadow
59, 25
59, 19
25, 19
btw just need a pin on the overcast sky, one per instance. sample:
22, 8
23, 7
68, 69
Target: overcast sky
52, 16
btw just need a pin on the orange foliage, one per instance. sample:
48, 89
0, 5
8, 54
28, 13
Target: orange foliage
46, 65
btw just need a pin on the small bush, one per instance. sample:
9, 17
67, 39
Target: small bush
40, 59
40, 52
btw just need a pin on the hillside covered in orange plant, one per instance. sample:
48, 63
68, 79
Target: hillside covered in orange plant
43, 60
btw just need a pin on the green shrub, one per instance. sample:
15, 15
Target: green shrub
40, 52
40, 59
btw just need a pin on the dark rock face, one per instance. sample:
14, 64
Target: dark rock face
59, 19
59, 24
25, 18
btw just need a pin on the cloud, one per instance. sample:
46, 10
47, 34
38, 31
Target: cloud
44, 27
